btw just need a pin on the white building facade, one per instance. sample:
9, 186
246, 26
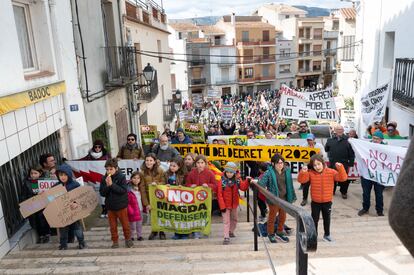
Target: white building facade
386, 55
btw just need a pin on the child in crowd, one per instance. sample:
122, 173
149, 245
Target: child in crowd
201, 176
151, 174
278, 180
135, 206
189, 161
322, 180
228, 198
175, 176
37, 220
115, 190
65, 177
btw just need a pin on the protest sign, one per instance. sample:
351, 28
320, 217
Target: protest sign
348, 119
246, 153
195, 131
213, 94
231, 140
378, 162
38, 202
71, 207
148, 134
198, 100
373, 104
226, 112
185, 115
181, 210
319, 105
43, 185
92, 171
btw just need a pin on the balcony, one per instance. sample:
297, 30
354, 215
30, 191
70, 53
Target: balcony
257, 79
330, 52
330, 35
120, 66
146, 94
330, 70
197, 63
168, 111
257, 60
403, 90
225, 82
308, 71
256, 42
198, 82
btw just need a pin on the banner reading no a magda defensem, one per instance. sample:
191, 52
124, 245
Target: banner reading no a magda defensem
179, 209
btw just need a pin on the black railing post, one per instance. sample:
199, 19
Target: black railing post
301, 257
256, 248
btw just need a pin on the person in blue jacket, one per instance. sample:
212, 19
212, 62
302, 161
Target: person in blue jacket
181, 138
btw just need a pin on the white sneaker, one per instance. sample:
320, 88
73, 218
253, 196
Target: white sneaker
102, 216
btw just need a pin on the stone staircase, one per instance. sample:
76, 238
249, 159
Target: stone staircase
362, 245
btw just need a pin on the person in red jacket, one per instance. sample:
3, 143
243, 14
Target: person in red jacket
228, 198
201, 176
322, 180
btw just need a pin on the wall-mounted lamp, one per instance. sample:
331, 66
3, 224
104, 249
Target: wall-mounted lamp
149, 75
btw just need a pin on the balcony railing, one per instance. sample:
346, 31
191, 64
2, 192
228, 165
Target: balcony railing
258, 42
330, 52
403, 88
198, 81
197, 62
120, 65
169, 111
149, 93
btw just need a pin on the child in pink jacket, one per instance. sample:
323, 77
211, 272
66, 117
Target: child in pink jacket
134, 208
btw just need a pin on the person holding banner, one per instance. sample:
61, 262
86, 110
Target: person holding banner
322, 181
278, 180
367, 185
151, 174
228, 198
65, 177
339, 150
131, 150
181, 137
37, 220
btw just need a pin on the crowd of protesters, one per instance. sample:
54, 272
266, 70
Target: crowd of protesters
129, 202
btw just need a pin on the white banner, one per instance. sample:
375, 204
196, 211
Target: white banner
92, 171
373, 104
319, 105
348, 119
378, 162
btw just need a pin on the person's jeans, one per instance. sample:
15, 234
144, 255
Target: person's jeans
229, 221
305, 190
366, 195
76, 227
113, 217
325, 208
273, 210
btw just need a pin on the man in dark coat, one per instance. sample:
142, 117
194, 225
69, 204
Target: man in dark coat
340, 150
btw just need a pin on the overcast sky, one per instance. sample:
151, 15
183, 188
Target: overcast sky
176, 9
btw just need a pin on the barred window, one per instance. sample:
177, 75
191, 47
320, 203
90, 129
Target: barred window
348, 47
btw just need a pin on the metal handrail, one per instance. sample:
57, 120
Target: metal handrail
306, 235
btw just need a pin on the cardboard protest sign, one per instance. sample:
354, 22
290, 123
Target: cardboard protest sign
43, 185
213, 94
148, 134
378, 162
38, 202
373, 104
246, 153
226, 112
71, 207
194, 130
319, 105
198, 100
181, 210
185, 115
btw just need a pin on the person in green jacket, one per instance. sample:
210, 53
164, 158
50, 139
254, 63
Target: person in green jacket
278, 180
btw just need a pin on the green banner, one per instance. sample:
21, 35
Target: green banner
195, 131
180, 209
148, 134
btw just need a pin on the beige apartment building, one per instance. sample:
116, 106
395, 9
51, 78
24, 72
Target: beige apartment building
309, 35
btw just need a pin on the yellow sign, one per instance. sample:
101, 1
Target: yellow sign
247, 153
29, 97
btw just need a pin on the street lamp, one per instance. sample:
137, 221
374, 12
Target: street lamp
149, 75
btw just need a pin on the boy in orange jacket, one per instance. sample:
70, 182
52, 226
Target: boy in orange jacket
322, 180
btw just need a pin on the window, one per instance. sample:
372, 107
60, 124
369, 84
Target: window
266, 36
155, 13
335, 25
159, 51
248, 73
317, 65
217, 40
265, 70
266, 51
348, 47
287, 16
284, 68
180, 35
245, 36
225, 73
248, 54
317, 33
25, 36
317, 50
301, 33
